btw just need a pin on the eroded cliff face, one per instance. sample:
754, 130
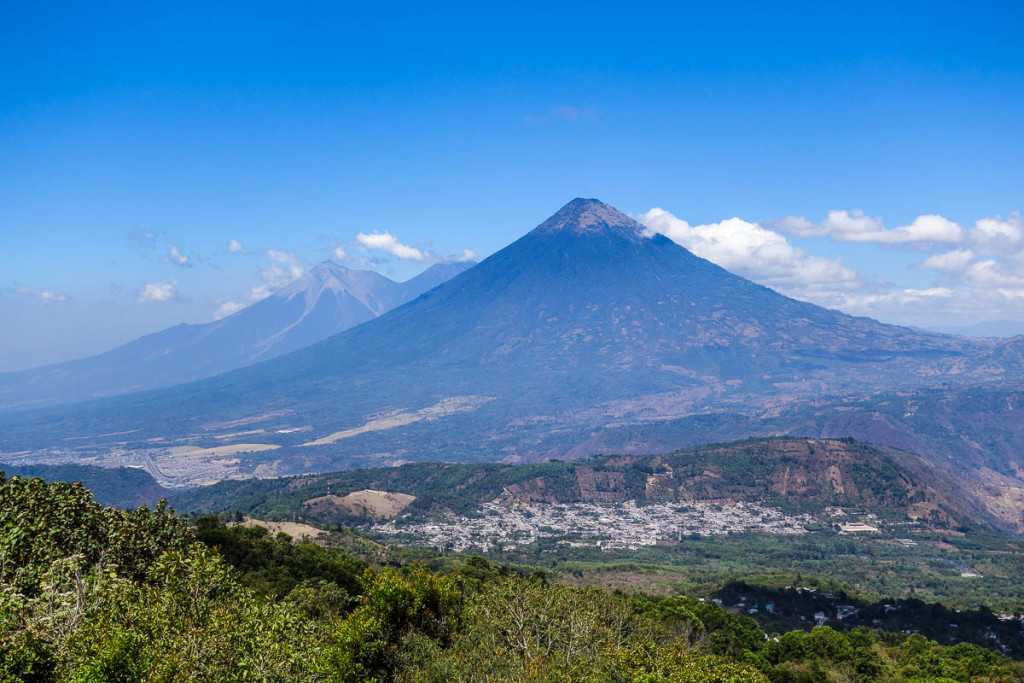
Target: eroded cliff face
796, 473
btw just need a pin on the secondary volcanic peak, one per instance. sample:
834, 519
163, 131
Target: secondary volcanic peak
327, 299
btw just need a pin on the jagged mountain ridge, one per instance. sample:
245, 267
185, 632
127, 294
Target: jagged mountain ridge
327, 299
584, 324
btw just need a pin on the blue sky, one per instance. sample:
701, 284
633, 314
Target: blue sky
137, 141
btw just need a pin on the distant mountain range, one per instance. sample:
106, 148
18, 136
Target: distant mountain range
587, 335
326, 300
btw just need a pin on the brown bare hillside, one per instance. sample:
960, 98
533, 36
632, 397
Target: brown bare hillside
367, 503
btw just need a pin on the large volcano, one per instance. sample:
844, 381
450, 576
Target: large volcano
584, 324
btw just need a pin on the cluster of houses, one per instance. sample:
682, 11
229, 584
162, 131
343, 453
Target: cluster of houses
609, 527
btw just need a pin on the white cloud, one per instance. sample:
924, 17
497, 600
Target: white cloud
997, 236
758, 253
158, 291
227, 308
47, 296
951, 261
900, 297
797, 226
929, 228
390, 246
175, 256
990, 274
979, 270
259, 292
384, 241
283, 268
966, 289
855, 226
235, 247
940, 307
466, 256
962, 266
851, 226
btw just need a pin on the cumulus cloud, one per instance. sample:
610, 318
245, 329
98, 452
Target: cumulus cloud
466, 256
158, 291
950, 262
955, 251
856, 226
283, 268
997, 236
47, 296
978, 270
992, 274
1002, 241
796, 226
940, 307
384, 241
851, 226
340, 253
389, 244
899, 297
929, 228
277, 269
757, 253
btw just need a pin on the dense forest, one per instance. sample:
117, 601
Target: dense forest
89, 593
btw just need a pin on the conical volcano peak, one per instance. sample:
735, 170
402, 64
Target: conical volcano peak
590, 215
327, 269
316, 278
328, 276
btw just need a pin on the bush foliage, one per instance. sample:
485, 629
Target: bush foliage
92, 594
